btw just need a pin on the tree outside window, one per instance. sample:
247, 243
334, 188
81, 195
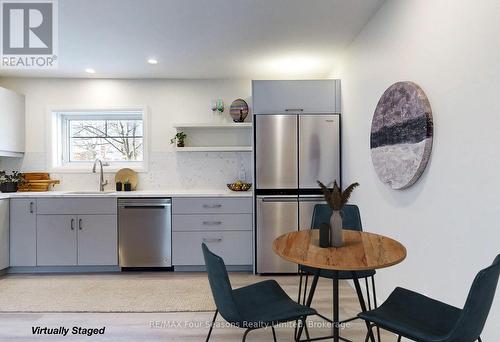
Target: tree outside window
107, 139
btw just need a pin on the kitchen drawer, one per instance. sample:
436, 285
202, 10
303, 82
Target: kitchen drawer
235, 247
212, 205
212, 222
76, 206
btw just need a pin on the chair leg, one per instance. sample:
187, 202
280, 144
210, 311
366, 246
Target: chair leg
399, 338
368, 297
274, 334
368, 333
245, 334
479, 339
301, 275
298, 301
212, 325
375, 305
305, 290
306, 330
362, 304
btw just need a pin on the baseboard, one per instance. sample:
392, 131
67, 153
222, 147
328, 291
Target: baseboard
200, 268
62, 269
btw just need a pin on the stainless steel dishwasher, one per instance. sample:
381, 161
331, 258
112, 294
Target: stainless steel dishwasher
145, 232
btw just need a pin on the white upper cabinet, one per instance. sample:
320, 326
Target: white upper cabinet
12, 127
304, 96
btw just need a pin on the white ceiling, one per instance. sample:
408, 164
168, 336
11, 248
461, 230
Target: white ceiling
204, 38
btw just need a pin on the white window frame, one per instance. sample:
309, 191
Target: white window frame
57, 118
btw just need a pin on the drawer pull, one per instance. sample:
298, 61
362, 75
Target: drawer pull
212, 223
207, 240
212, 206
294, 109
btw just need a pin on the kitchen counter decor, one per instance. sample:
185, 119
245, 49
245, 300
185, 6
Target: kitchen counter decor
10, 183
239, 110
336, 199
37, 182
239, 186
127, 176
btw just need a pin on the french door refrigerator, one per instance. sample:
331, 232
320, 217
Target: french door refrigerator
292, 152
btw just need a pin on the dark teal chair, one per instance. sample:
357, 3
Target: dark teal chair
351, 219
423, 319
256, 306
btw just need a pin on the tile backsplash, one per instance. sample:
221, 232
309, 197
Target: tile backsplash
167, 170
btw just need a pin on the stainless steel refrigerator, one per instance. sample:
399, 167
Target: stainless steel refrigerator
292, 151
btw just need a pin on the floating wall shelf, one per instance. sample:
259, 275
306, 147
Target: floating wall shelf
216, 137
214, 149
213, 125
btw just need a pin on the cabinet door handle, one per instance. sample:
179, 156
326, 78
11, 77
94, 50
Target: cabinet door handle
208, 240
72, 224
80, 224
294, 110
212, 223
212, 206
32, 210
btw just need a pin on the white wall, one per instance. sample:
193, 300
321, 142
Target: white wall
449, 220
169, 101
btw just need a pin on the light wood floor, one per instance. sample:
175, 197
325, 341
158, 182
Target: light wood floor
184, 326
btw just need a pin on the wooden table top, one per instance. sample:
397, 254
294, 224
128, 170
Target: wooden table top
361, 251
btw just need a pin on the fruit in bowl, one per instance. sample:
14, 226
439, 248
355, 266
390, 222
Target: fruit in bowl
239, 186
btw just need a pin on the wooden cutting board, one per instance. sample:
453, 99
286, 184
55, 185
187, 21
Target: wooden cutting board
37, 182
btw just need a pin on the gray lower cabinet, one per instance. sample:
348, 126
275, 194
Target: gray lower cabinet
83, 240
235, 247
4, 234
224, 224
97, 240
22, 232
63, 232
56, 240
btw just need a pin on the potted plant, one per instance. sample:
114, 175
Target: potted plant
180, 137
10, 183
336, 198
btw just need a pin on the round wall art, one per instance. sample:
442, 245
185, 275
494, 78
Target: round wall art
401, 135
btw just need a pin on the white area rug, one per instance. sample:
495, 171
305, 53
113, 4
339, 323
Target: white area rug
132, 292
141, 292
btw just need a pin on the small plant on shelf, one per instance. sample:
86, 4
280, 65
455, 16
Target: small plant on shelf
10, 183
180, 137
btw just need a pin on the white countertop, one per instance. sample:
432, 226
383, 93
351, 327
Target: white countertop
140, 193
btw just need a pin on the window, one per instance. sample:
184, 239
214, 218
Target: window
115, 136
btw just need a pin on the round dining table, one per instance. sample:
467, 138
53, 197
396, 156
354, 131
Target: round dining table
361, 251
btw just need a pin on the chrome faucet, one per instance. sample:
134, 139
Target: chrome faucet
102, 183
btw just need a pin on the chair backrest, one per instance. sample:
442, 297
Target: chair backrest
473, 317
220, 286
351, 219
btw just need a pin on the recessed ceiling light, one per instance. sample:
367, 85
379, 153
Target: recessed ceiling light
90, 71
152, 61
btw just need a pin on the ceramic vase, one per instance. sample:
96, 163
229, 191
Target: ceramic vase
336, 236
